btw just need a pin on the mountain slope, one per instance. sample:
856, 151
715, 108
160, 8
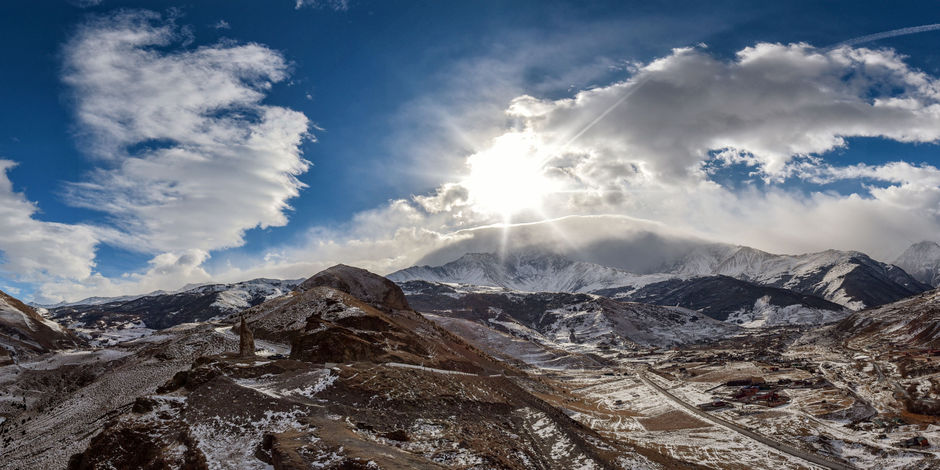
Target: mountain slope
850, 279
729, 299
24, 331
167, 309
922, 261
526, 271
574, 322
912, 322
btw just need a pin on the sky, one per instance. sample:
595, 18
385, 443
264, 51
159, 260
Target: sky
150, 145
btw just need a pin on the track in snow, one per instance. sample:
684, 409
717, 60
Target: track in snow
793, 451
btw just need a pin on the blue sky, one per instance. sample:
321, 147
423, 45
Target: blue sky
386, 129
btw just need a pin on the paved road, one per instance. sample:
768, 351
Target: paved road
807, 456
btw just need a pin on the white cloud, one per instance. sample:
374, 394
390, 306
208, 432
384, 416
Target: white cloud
85, 3
32, 249
772, 102
166, 271
222, 24
338, 5
189, 156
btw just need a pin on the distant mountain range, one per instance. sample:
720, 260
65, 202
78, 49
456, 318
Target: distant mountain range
164, 309
740, 284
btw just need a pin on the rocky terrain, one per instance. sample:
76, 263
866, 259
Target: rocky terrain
24, 332
350, 370
367, 383
53, 405
570, 321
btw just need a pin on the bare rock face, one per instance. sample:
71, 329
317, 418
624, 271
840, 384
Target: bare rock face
361, 284
246, 341
23, 331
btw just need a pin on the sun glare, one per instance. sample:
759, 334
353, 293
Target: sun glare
509, 177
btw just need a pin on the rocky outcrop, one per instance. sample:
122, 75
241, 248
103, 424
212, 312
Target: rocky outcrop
246, 341
361, 284
23, 331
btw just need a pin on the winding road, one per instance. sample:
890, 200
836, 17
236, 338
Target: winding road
787, 449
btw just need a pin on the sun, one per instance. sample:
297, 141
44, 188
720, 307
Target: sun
509, 177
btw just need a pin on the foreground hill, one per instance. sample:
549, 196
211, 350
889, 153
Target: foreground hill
53, 405
24, 332
349, 314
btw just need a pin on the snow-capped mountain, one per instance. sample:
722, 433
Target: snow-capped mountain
165, 309
526, 271
23, 331
922, 261
848, 278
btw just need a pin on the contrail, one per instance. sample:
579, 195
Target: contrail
887, 34
633, 89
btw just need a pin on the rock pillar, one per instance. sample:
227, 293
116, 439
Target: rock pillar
246, 341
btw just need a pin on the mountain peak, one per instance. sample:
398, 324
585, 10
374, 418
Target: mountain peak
528, 270
359, 283
925, 244
849, 278
922, 261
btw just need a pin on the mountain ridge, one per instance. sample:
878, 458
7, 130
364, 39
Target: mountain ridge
922, 261
849, 278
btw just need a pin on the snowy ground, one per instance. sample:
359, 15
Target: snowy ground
625, 408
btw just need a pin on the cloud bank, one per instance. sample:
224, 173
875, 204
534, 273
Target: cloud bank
44, 250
